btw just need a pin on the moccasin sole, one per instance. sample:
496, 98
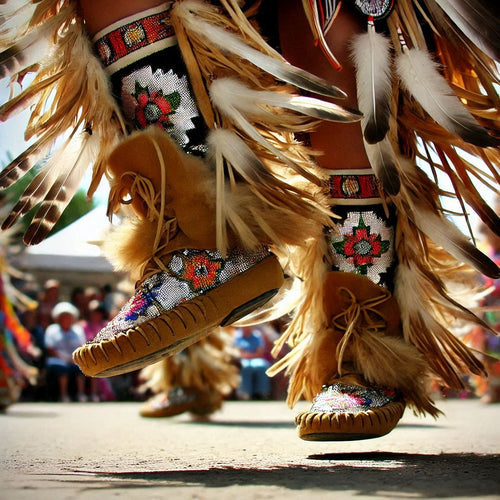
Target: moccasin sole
185, 324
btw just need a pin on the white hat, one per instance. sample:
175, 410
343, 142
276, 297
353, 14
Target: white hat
64, 307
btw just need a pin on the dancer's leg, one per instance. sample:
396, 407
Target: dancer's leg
362, 244
186, 287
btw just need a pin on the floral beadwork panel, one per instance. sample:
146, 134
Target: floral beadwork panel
363, 243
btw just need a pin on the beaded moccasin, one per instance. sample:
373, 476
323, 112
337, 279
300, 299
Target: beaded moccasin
193, 292
180, 400
346, 410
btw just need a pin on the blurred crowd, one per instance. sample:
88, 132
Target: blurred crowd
57, 327
61, 322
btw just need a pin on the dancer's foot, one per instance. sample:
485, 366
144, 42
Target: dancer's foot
191, 292
180, 400
349, 409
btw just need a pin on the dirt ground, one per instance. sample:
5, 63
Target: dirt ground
247, 450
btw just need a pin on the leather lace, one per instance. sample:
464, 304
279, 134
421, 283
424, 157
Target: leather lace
357, 318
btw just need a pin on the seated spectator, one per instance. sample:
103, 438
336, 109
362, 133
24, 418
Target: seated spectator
47, 301
97, 320
61, 339
255, 384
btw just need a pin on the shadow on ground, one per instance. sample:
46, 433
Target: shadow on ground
381, 474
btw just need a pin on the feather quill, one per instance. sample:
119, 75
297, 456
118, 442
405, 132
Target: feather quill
465, 187
421, 78
371, 55
231, 43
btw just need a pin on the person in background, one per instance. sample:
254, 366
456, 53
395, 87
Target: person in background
48, 299
254, 383
61, 339
97, 318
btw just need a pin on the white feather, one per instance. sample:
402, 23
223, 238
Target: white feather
421, 78
253, 103
234, 112
371, 55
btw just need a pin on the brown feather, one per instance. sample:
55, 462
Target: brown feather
23, 164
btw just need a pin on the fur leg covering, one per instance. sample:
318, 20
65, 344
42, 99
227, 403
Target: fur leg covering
361, 334
149, 172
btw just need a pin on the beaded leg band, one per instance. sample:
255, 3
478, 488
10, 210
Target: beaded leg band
149, 77
364, 241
